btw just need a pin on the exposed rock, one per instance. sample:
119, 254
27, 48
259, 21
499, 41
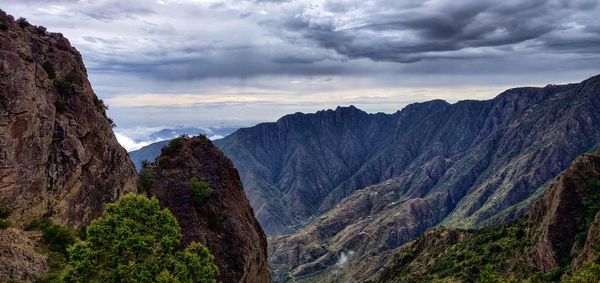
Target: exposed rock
18, 260
473, 163
542, 249
58, 154
225, 223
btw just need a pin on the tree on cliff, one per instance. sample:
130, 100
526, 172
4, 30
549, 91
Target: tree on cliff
135, 241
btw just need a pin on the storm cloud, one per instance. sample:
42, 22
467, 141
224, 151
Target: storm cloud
299, 53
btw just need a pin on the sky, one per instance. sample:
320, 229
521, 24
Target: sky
163, 63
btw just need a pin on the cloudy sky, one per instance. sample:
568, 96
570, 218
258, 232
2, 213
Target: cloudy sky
226, 62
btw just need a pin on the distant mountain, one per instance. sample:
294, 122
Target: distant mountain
464, 164
171, 133
151, 151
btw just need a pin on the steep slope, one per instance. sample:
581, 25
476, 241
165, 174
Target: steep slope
525, 137
148, 153
557, 239
58, 155
152, 151
221, 219
500, 151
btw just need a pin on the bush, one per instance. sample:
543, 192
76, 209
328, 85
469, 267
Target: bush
589, 272
4, 211
3, 25
136, 241
144, 181
163, 161
60, 106
23, 23
201, 191
38, 224
58, 238
49, 70
99, 103
65, 86
4, 224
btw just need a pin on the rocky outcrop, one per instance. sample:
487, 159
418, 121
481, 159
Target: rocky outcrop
58, 155
560, 216
224, 221
561, 232
18, 258
469, 164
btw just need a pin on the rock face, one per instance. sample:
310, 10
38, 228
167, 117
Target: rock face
58, 154
18, 259
560, 233
225, 222
469, 164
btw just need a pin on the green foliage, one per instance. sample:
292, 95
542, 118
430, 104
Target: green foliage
60, 106
49, 70
591, 202
163, 161
135, 241
3, 25
4, 211
144, 181
589, 272
99, 103
23, 23
174, 145
4, 224
145, 164
200, 191
488, 275
66, 85
58, 238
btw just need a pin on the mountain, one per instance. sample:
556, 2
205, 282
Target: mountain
151, 151
58, 155
222, 219
483, 157
558, 240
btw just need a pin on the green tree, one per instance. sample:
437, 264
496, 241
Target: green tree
589, 272
135, 241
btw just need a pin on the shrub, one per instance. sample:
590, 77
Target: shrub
3, 25
174, 145
144, 181
49, 70
145, 164
38, 224
163, 161
99, 103
58, 238
201, 191
4, 224
589, 272
65, 86
23, 23
4, 211
60, 106
136, 241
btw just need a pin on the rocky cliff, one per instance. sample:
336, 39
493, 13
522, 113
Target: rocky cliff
199, 185
463, 165
554, 243
58, 155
